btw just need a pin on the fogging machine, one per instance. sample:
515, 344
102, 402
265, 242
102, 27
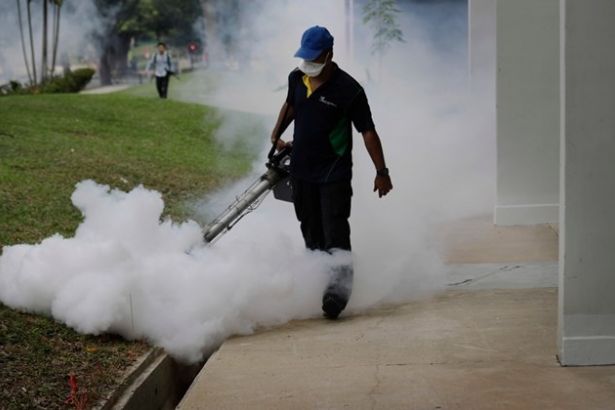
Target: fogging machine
276, 178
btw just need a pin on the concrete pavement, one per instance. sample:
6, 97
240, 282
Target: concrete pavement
478, 240
488, 342
486, 349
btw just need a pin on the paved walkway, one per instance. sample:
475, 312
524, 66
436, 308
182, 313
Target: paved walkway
106, 89
487, 343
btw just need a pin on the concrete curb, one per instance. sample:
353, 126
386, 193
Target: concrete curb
129, 377
155, 381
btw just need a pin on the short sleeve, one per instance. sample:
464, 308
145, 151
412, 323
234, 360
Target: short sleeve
360, 113
290, 97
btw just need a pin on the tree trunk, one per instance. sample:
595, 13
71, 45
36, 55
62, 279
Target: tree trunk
120, 57
23, 43
31, 43
44, 40
104, 67
53, 35
56, 37
114, 59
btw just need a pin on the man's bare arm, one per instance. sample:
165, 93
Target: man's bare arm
286, 116
382, 183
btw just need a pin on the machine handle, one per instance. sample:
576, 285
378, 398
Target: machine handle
272, 150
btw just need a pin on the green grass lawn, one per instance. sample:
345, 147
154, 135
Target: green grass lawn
48, 143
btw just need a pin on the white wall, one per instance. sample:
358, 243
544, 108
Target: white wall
587, 226
527, 94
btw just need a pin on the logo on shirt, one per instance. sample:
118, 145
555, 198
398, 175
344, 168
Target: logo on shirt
323, 100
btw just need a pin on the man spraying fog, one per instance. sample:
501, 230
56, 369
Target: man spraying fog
323, 101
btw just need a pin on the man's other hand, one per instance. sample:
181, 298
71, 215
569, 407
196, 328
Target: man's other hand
383, 185
281, 144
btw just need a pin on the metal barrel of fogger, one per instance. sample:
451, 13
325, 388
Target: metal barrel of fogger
266, 182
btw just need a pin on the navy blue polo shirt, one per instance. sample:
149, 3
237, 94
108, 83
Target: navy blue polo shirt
322, 140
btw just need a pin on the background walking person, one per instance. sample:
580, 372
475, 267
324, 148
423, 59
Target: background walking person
162, 66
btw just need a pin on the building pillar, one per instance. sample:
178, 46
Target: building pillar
481, 67
586, 331
481, 46
527, 95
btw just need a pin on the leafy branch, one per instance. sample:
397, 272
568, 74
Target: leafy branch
381, 15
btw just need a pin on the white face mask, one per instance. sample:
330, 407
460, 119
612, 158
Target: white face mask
312, 69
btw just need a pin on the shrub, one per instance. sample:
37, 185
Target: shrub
15, 86
12, 87
82, 77
58, 85
72, 82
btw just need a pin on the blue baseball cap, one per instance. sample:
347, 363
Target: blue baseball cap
314, 41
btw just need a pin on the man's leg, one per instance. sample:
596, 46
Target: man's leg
335, 202
159, 86
165, 86
306, 200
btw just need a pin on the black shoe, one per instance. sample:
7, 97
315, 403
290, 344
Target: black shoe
332, 306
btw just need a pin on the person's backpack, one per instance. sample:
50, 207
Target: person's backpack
170, 67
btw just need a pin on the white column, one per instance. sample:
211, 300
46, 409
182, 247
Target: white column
481, 47
587, 227
527, 94
481, 66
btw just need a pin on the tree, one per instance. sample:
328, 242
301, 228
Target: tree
23, 42
110, 38
140, 18
31, 41
382, 16
56, 33
45, 71
44, 44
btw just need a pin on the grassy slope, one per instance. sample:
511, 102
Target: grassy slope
50, 142
47, 144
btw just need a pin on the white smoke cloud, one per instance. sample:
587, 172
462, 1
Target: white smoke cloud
127, 272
